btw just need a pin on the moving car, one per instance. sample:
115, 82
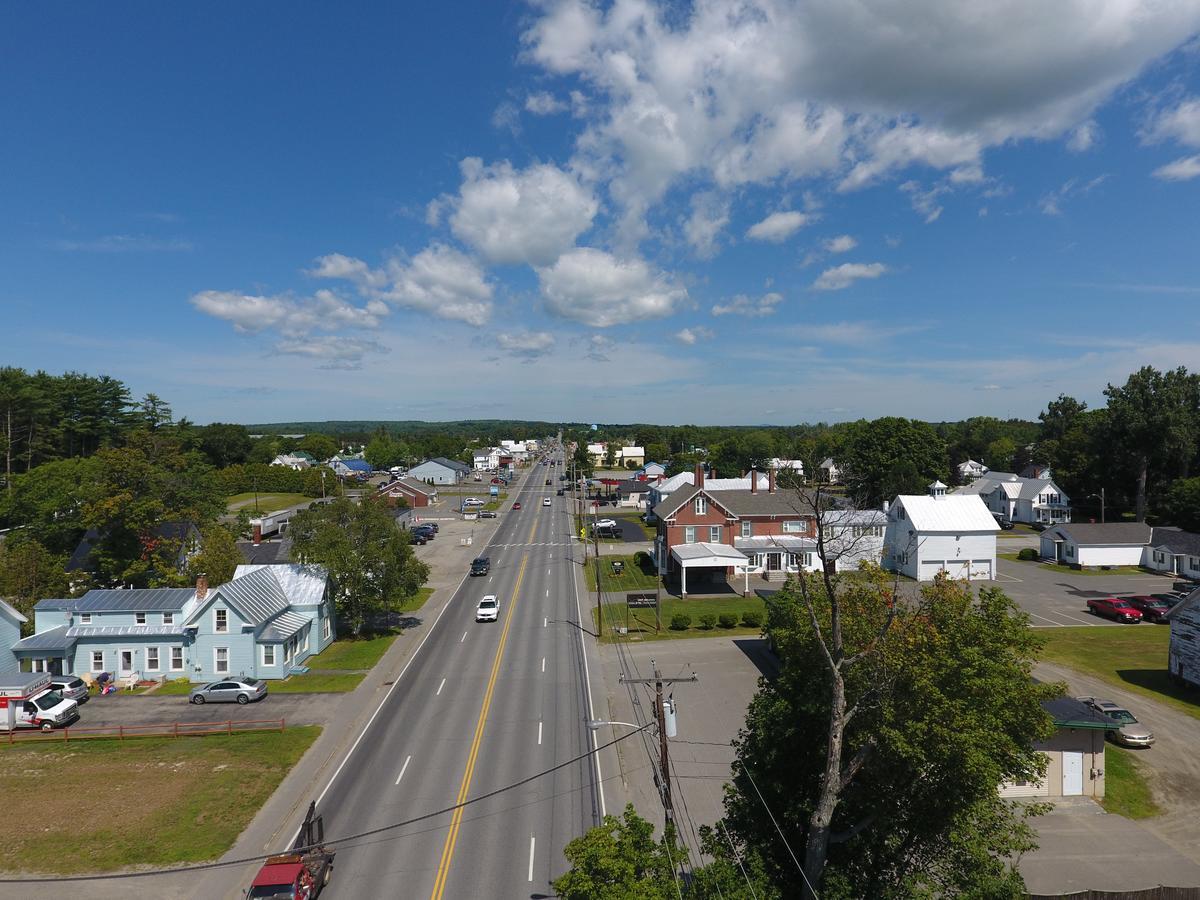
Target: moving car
559, 492
1131, 732
545, 501
231, 690
1114, 608
481, 565
547, 482
1152, 609
488, 609
517, 505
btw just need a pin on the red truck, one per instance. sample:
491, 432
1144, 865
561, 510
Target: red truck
300, 874
1115, 608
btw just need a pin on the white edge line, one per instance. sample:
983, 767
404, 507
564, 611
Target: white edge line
587, 679
463, 638
403, 768
532, 844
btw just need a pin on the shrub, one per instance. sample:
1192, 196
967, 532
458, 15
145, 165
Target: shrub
707, 621
681, 622
752, 618
728, 620
1028, 554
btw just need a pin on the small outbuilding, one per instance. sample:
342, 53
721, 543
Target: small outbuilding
1085, 544
1075, 753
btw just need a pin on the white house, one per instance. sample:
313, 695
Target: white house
1183, 653
440, 470
1018, 499
488, 458
853, 536
970, 470
295, 461
830, 473
1173, 551
955, 534
1092, 544
782, 465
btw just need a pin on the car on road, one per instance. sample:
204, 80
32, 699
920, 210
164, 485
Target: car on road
487, 514
545, 501
488, 609
517, 505
1131, 733
1114, 608
232, 690
559, 492
1152, 609
547, 482
481, 565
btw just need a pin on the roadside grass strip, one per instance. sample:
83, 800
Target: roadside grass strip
638, 573
1126, 788
352, 653
640, 621
109, 805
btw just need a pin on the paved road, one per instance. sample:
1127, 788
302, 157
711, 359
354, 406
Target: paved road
480, 707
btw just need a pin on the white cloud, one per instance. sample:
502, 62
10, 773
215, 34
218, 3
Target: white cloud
507, 117
528, 216
754, 307
333, 352
778, 226
543, 103
1084, 138
294, 317
839, 277
599, 289
126, 243
1182, 169
600, 348
1180, 123
925, 201
843, 243
528, 344
1051, 204
695, 333
710, 215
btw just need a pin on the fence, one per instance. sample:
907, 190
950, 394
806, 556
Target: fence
172, 730
1154, 893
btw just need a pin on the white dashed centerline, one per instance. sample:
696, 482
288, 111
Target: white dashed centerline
543, 664
463, 638
403, 768
440, 686
539, 734
532, 844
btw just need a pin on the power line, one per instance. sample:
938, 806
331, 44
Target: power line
782, 837
220, 864
737, 857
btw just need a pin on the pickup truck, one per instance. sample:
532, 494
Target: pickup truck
300, 874
1115, 608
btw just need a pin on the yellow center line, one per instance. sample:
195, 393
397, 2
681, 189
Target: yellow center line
439, 884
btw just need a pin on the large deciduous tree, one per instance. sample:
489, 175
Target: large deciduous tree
889, 456
29, 573
321, 446
621, 860
225, 445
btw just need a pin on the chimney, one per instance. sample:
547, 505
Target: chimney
699, 475
771, 480
712, 473
201, 586
753, 480
885, 506
257, 534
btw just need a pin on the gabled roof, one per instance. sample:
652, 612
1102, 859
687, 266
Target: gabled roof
411, 484
1085, 533
737, 503
12, 611
303, 585
266, 552
283, 626
951, 512
1067, 712
356, 465
1176, 540
137, 600
259, 593
446, 464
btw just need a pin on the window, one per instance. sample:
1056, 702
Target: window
85, 618
168, 618
795, 526
176, 659
701, 505
268, 654
220, 620
151, 659
689, 534
747, 529
139, 618
97, 660
1070, 550
221, 660
792, 561
1193, 562
325, 626
756, 560
900, 513
714, 534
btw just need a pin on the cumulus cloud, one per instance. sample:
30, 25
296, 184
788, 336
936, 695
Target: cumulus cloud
601, 290
527, 344
839, 277
1182, 169
291, 316
527, 216
543, 103
332, 352
754, 307
778, 226
843, 243
1180, 122
710, 215
695, 333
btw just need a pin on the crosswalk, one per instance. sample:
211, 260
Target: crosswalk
537, 544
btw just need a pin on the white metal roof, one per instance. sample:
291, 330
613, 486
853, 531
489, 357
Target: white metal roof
953, 513
703, 554
283, 626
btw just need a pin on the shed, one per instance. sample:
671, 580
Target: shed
1075, 766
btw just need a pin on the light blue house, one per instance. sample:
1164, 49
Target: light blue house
263, 623
11, 621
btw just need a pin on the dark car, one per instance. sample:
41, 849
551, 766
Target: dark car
517, 505
417, 537
1153, 609
560, 492
487, 514
426, 533
481, 565
1170, 598
432, 526
547, 482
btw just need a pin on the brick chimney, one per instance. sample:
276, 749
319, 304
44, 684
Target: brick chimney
771, 480
699, 475
257, 534
753, 480
201, 586
712, 473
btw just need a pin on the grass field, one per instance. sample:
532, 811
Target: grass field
639, 573
1132, 657
1126, 791
267, 503
109, 805
318, 683
641, 621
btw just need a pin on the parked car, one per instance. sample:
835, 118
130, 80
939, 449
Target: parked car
70, 687
559, 492
418, 537
488, 609
605, 524
1170, 597
517, 505
425, 531
432, 526
1114, 608
472, 501
487, 514
1153, 609
545, 501
481, 565
240, 691
1131, 733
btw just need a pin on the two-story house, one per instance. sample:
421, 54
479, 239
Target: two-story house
1014, 498
263, 623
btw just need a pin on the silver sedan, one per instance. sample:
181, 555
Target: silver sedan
238, 690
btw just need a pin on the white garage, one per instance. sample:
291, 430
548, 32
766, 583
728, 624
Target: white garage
955, 534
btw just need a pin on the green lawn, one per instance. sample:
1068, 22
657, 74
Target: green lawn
180, 801
641, 621
639, 573
314, 683
1126, 791
267, 503
175, 687
352, 653
1129, 656
416, 601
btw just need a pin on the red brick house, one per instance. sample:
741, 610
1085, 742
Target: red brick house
727, 534
413, 492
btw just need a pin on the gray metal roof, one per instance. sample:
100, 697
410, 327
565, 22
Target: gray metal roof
91, 631
283, 626
53, 639
1176, 540
1105, 532
136, 600
52, 604
257, 595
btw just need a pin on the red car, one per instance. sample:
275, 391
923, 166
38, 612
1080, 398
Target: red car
1152, 608
517, 505
1115, 608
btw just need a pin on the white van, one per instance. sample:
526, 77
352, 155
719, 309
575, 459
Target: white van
26, 701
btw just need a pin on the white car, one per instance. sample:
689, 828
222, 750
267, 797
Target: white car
472, 501
545, 501
605, 523
488, 609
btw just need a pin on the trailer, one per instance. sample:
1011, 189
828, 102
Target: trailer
300, 874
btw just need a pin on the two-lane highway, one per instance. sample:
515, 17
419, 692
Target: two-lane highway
479, 707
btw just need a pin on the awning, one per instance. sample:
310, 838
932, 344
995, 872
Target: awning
689, 555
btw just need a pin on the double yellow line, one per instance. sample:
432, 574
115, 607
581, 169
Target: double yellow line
443, 872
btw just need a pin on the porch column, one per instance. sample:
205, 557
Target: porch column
682, 580
746, 575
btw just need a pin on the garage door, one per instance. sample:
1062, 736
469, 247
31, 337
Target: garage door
1025, 789
930, 568
958, 568
981, 570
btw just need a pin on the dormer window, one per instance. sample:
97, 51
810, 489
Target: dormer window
220, 620
701, 505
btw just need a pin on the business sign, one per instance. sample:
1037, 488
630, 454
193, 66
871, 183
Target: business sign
639, 600
495, 490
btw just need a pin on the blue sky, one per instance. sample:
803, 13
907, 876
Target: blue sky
719, 212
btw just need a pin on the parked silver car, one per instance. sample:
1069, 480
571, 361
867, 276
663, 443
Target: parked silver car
70, 687
1131, 733
236, 690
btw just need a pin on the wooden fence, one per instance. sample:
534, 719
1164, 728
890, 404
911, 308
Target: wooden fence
171, 730
1154, 893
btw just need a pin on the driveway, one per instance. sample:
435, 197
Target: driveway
148, 709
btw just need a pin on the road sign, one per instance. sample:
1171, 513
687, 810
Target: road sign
639, 600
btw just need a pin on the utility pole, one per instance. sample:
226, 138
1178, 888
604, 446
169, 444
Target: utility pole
664, 759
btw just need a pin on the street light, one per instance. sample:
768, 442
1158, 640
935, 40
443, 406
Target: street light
597, 724
1100, 497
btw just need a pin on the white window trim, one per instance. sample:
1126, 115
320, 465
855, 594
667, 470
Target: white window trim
171, 661
100, 666
717, 529
139, 618
217, 629
325, 627
794, 526
85, 618
701, 506
157, 667
747, 529
306, 633
263, 655
689, 534
216, 667
168, 618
